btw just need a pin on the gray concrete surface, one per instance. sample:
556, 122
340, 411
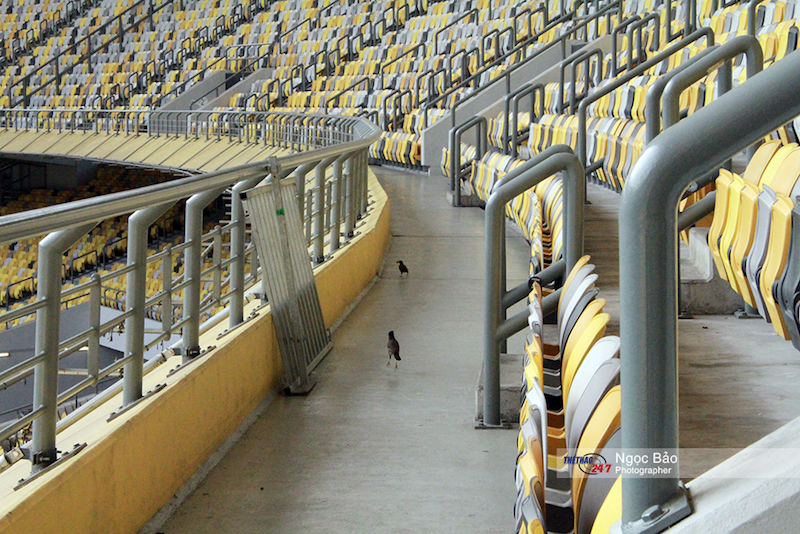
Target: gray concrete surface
214, 82
703, 292
755, 491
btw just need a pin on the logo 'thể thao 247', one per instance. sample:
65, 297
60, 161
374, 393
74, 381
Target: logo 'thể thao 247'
591, 463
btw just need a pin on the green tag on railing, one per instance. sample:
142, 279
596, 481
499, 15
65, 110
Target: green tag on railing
280, 212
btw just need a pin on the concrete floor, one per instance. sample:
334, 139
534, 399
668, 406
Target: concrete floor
378, 450
372, 449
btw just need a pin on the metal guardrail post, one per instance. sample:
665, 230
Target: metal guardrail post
48, 319
336, 209
634, 33
511, 110
652, 110
496, 330
300, 174
456, 133
217, 252
236, 305
693, 147
318, 237
752, 7
364, 188
615, 36
349, 221
743, 44
192, 267
95, 303
166, 302
618, 82
135, 296
356, 205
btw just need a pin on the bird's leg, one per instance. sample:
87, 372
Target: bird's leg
395, 364
390, 361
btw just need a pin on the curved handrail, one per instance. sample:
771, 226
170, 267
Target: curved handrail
37, 222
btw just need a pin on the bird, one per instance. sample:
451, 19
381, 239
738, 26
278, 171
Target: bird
394, 350
402, 267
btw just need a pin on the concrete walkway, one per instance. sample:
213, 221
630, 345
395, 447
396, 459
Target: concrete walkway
374, 449
378, 450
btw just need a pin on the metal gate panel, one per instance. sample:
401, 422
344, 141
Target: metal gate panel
291, 288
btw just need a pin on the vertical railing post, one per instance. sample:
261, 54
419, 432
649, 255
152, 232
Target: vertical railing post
307, 218
358, 189
557, 158
236, 305
685, 151
93, 355
300, 174
216, 290
318, 237
48, 320
135, 296
166, 302
336, 210
150, 12
364, 185
349, 221
192, 267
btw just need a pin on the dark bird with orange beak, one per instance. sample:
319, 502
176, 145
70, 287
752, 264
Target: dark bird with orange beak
394, 350
402, 267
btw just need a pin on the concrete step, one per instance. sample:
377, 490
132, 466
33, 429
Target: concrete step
702, 291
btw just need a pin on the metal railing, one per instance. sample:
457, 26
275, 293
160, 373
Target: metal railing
702, 33
242, 53
340, 199
497, 329
649, 224
505, 77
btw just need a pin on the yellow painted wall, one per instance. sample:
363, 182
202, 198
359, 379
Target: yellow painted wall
134, 464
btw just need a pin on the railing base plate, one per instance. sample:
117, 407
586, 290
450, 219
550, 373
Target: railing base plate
124, 409
480, 425
675, 510
64, 457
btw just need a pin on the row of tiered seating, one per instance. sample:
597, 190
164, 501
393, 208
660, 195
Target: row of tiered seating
148, 64
537, 212
616, 121
28, 23
401, 144
105, 243
570, 406
301, 81
753, 233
